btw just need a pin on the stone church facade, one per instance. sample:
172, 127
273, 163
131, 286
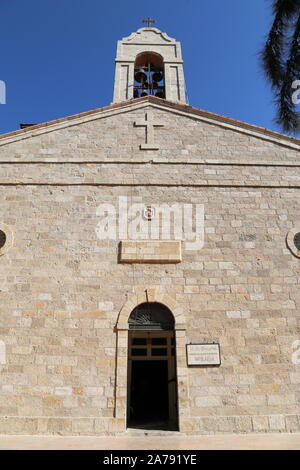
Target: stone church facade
86, 294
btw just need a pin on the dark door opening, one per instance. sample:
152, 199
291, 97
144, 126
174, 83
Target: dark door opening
152, 401
149, 398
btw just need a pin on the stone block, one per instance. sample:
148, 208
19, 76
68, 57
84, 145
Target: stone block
83, 426
260, 423
277, 423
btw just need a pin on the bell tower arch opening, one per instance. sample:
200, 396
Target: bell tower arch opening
149, 75
151, 371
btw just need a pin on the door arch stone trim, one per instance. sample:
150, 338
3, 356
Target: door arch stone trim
142, 295
151, 295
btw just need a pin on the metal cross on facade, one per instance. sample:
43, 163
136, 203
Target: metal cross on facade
149, 124
149, 21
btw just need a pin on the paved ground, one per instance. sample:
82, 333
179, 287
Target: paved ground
152, 441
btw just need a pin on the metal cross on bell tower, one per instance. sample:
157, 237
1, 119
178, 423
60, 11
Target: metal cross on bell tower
149, 21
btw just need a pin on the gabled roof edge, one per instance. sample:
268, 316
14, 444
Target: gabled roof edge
267, 133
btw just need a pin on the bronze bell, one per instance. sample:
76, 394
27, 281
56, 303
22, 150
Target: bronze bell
157, 76
140, 76
144, 93
160, 94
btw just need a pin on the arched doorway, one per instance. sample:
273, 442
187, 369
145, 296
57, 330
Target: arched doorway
151, 380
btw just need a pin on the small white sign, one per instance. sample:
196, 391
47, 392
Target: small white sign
203, 354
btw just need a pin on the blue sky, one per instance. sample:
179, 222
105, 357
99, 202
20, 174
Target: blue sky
57, 56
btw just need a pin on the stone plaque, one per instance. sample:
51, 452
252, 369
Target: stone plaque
150, 251
203, 354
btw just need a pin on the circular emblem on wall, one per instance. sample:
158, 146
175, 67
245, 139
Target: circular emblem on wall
149, 213
2, 238
293, 241
297, 240
6, 241
6, 238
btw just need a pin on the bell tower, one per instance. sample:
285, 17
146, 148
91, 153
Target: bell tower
149, 62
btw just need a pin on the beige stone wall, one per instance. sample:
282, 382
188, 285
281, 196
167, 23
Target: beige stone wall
62, 288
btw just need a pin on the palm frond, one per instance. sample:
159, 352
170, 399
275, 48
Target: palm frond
287, 115
287, 8
273, 53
